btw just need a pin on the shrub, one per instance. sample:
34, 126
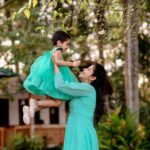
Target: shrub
118, 132
20, 142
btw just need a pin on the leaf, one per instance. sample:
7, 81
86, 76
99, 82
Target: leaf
35, 2
62, 1
50, 4
70, 1
39, 28
43, 2
122, 140
30, 3
55, 4
105, 147
83, 6
13, 16
27, 13
55, 14
22, 9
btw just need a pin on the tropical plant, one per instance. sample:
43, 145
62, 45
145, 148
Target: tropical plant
117, 132
21, 142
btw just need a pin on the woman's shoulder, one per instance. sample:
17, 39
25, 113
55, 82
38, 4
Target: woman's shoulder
89, 86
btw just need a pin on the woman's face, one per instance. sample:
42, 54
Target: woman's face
86, 74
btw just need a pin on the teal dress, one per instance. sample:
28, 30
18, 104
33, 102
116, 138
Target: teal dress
40, 80
80, 133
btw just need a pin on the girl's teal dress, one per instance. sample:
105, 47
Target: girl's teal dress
80, 133
41, 78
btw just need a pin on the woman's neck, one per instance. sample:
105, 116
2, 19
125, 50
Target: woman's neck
85, 81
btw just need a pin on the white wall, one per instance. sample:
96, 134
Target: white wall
13, 113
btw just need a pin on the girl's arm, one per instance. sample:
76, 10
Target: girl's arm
57, 58
73, 89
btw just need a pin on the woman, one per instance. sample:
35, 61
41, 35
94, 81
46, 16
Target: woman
80, 132
85, 98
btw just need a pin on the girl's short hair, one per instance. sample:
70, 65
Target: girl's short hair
60, 36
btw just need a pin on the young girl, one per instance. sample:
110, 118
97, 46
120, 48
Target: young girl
41, 78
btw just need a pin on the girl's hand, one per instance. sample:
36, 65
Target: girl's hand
76, 63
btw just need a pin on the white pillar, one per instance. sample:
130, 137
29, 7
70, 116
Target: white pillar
45, 115
62, 114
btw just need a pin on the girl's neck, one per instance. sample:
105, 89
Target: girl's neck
56, 46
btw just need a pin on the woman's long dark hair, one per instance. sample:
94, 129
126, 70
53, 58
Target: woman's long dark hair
99, 85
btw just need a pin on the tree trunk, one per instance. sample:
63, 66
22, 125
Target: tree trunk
131, 59
125, 4
99, 12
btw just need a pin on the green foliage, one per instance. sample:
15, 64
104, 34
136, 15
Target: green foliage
4, 88
144, 54
118, 97
27, 13
31, 41
20, 142
144, 65
145, 111
118, 132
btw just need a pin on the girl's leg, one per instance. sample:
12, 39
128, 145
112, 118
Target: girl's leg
42, 104
37, 105
49, 103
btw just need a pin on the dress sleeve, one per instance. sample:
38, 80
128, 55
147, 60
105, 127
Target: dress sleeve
73, 89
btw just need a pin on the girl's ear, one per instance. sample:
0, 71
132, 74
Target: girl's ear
59, 42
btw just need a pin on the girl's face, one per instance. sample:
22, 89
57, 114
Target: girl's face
86, 74
65, 45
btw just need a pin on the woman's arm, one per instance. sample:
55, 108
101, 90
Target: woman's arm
57, 58
72, 88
